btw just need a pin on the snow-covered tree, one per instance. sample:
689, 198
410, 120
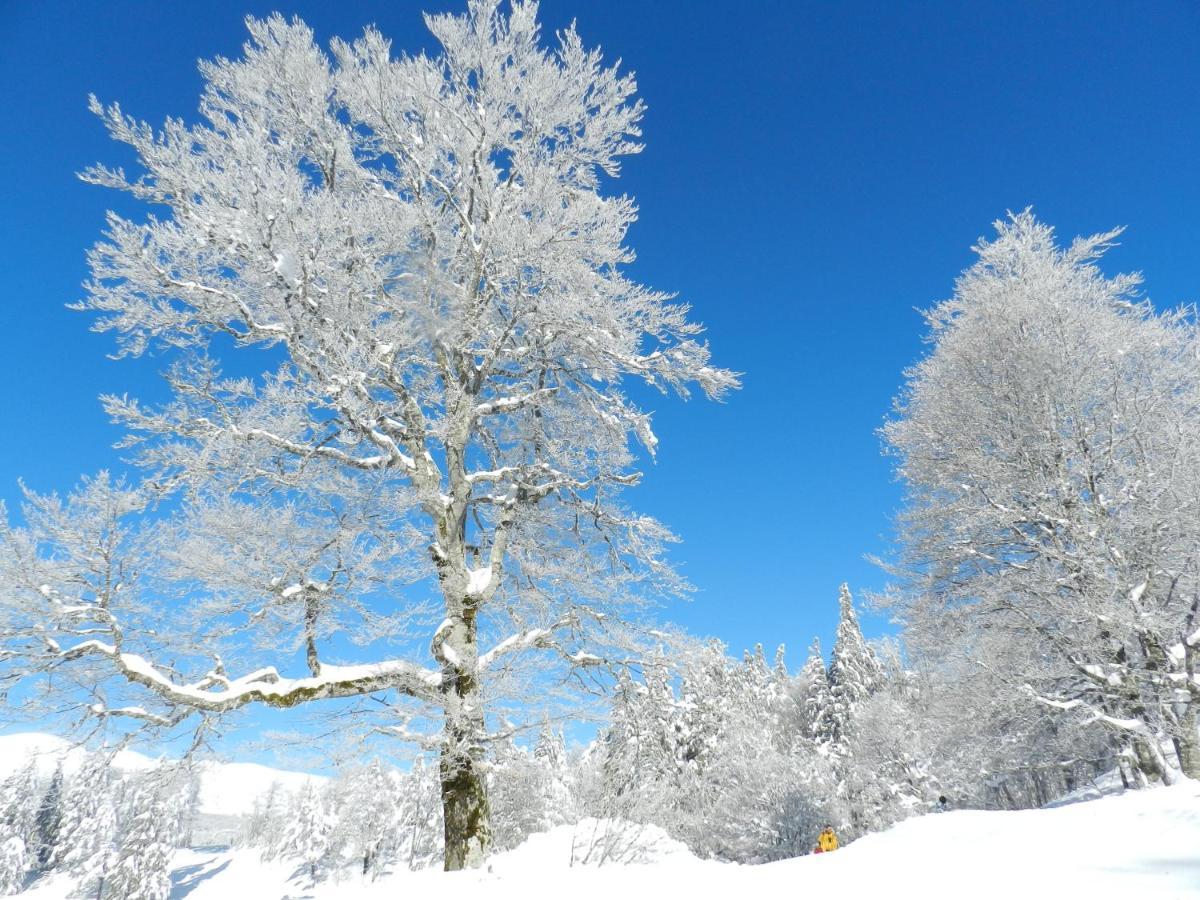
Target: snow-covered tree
310, 831
515, 783
854, 672
555, 791
367, 799
19, 802
142, 866
264, 826
419, 818
429, 245
89, 828
48, 824
14, 864
817, 697
721, 764
1049, 443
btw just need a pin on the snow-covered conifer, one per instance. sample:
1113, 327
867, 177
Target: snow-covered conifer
14, 864
148, 839
48, 824
89, 823
19, 802
854, 672
817, 697
310, 831
367, 801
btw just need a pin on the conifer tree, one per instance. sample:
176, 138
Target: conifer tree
14, 863
18, 826
367, 811
818, 698
89, 824
49, 821
264, 826
147, 845
309, 835
854, 672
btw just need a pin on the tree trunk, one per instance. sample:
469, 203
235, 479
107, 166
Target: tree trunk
466, 813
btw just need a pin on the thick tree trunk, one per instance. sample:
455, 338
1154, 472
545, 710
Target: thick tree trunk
466, 813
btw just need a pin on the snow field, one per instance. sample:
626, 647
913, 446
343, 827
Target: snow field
1140, 844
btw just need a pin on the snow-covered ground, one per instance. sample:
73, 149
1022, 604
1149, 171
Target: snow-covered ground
1140, 844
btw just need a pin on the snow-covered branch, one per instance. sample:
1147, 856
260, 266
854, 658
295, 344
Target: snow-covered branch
265, 685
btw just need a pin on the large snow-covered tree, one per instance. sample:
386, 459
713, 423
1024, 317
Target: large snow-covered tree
1050, 444
425, 252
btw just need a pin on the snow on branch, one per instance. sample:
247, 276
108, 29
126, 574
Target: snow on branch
265, 685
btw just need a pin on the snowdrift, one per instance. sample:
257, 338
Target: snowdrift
1138, 844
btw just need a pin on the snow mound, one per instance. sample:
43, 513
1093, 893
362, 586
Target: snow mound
593, 842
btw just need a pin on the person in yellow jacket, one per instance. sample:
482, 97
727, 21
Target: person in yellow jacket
826, 841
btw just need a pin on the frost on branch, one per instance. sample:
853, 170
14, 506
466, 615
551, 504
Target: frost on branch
429, 250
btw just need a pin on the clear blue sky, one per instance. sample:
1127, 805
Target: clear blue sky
813, 173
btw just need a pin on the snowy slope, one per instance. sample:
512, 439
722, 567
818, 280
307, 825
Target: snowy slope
226, 789
1137, 845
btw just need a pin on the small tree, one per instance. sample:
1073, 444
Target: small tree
367, 800
817, 697
309, 834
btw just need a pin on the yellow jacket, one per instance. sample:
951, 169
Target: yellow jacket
827, 840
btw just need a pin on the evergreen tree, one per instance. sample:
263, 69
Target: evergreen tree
310, 832
143, 862
854, 672
89, 824
367, 802
555, 794
49, 821
18, 807
14, 863
818, 697
18, 827
419, 818
264, 826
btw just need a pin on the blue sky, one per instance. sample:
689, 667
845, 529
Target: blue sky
813, 173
